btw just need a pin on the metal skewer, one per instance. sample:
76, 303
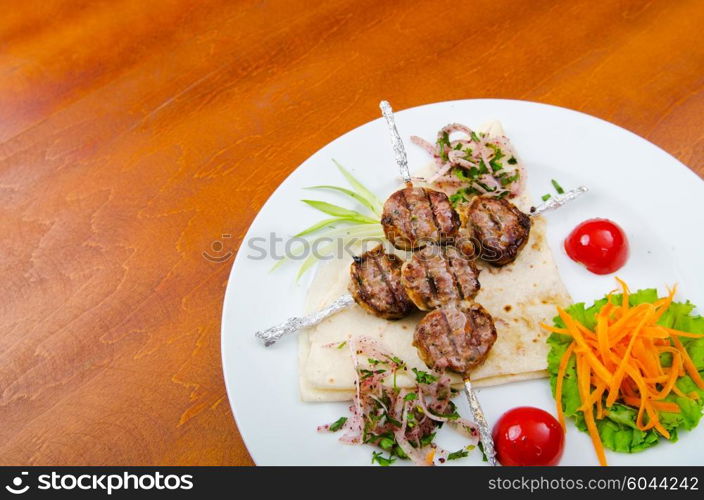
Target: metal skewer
402, 161
396, 142
292, 325
479, 419
558, 200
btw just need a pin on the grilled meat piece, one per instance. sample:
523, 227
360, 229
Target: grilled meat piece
455, 338
415, 216
500, 228
376, 284
439, 275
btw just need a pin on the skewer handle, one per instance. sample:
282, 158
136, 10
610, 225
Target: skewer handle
558, 201
479, 418
271, 335
396, 142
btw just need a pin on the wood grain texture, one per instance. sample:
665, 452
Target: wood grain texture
134, 134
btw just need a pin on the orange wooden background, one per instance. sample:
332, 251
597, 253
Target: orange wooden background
134, 134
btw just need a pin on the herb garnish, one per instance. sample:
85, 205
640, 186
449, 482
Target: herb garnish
557, 187
458, 454
424, 377
546, 197
481, 448
337, 424
355, 225
369, 373
378, 457
444, 144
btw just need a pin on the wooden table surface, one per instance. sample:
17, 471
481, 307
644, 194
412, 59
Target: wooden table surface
134, 135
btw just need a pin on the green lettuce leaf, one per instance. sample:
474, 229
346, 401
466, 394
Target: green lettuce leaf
618, 428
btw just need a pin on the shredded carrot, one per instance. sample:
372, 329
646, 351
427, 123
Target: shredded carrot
558, 386
620, 361
658, 405
682, 334
583, 370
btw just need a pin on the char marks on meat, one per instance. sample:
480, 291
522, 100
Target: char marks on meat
376, 284
414, 216
500, 228
439, 275
456, 338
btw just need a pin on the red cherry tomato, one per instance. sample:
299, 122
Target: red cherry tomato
528, 436
599, 244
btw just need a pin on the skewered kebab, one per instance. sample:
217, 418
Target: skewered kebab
381, 284
415, 216
458, 335
458, 338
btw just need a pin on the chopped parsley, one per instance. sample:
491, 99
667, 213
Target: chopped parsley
486, 188
444, 143
458, 454
426, 440
411, 396
458, 197
512, 160
461, 174
481, 448
498, 155
337, 424
546, 197
424, 377
369, 373
399, 362
505, 181
483, 168
387, 443
557, 187
342, 344
377, 457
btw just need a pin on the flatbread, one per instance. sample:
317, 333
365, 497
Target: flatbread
519, 296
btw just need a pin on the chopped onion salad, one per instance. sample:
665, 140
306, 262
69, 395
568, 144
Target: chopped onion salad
402, 422
469, 163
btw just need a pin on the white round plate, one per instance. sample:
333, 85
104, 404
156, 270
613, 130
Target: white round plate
657, 200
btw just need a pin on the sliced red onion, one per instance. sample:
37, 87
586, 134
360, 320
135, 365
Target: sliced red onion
418, 141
